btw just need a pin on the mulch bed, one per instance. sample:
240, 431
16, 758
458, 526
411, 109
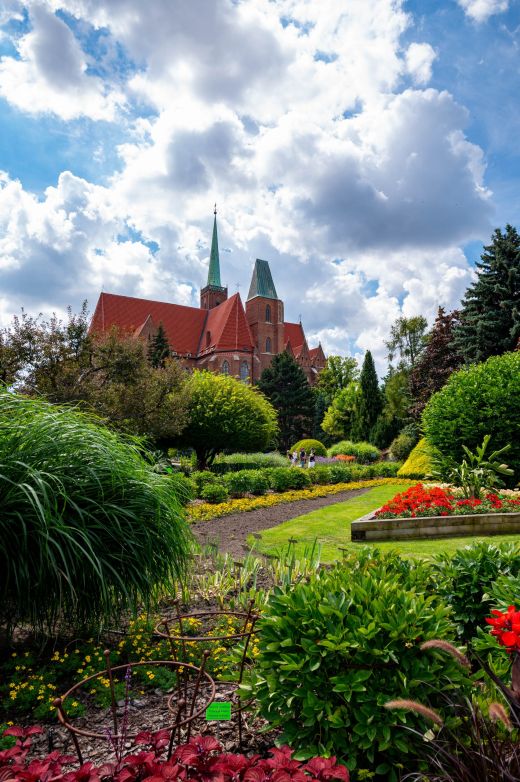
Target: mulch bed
230, 532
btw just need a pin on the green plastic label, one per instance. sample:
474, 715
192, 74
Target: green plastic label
221, 710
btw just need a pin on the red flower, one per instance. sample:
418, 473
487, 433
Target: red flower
506, 627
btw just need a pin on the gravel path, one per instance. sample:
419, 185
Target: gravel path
231, 532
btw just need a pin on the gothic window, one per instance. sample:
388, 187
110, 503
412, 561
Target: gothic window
244, 371
208, 339
225, 368
268, 345
268, 314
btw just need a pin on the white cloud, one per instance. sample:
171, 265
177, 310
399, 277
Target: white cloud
481, 10
419, 61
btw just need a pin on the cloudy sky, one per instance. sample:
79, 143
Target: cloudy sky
365, 148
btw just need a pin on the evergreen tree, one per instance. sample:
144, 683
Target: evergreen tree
370, 402
490, 315
320, 408
437, 362
285, 385
158, 348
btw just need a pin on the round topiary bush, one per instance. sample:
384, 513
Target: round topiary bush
308, 445
334, 650
87, 528
402, 446
364, 453
214, 493
482, 399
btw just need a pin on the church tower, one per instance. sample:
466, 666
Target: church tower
213, 294
264, 312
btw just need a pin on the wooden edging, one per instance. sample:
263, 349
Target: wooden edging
367, 529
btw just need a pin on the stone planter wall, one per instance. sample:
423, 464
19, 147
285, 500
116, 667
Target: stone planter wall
367, 528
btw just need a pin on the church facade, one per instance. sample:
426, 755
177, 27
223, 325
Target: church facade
221, 335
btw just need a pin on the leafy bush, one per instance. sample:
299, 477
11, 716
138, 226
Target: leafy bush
340, 473
419, 463
482, 399
363, 452
214, 493
87, 528
308, 445
247, 461
477, 471
466, 578
201, 479
285, 478
402, 446
185, 488
246, 482
334, 650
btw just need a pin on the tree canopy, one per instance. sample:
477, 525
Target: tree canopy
338, 372
407, 341
370, 401
341, 414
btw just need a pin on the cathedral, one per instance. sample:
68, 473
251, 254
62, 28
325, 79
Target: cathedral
221, 335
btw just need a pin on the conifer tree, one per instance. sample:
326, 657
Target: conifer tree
370, 402
490, 315
285, 385
158, 348
437, 362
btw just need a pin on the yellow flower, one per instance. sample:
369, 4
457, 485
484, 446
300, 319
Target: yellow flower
88, 658
75, 703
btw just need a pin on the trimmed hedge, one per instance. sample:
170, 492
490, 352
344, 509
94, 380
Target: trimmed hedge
419, 463
308, 445
246, 482
214, 493
236, 462
286, 478
364, 453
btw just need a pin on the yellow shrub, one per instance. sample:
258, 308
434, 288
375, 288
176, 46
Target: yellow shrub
419, 462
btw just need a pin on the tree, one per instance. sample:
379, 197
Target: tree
320, 408
226, 414
370, 400
285, 385
439, 359
158, 348
490, 314
341, 414
407, 340
338, 372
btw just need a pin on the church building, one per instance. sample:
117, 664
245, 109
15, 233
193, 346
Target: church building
221, 335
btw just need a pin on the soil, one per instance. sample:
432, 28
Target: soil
230, 533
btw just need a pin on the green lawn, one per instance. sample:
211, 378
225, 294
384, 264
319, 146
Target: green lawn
330, 526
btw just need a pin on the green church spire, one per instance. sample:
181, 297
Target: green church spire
214, 260
262, 282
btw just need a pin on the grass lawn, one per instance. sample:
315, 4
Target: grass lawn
330, 526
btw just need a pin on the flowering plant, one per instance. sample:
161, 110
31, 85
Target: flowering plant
506, 627
419, 500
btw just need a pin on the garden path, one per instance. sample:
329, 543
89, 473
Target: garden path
231, 532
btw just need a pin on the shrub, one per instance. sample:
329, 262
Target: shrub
334, 650
285, 478
308, 445
482, 399
419, 463
185, 488
246, 482
236, 462
466, 578
402, 446
87, 528
214, 493
319, 475
201, 479
363, 452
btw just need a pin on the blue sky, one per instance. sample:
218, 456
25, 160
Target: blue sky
366, 148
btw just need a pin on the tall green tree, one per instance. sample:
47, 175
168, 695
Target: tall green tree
337, 373
407, 341
341, 415
490, 314
158, 348
320, 408
226, 414
438, 361
370, 400
285, 385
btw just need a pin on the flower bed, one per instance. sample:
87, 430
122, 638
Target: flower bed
419, 500
205, 511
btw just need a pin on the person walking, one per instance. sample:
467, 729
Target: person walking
303, 457
294, 459
312, 459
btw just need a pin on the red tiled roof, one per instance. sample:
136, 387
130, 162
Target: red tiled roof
314, 352
293, 333
228, 326
183, 325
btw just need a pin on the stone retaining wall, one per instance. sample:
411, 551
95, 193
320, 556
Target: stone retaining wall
367, 528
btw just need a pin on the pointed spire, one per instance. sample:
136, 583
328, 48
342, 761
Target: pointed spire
214, 260
262, 282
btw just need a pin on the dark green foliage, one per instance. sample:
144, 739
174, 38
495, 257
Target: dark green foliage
285, 385
158, 348
214, 493
402, 446
466, 578
286, 478
308, 445
87, 528
364, 453
321, 404
246, 482
439, 359
384, 431
185, 488
483, 399
202, 478
247, 461
370, 401
334, 650
490, 315
338, 372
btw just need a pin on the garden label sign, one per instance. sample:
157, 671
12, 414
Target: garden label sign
221, 710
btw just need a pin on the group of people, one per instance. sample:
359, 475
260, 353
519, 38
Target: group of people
301, 458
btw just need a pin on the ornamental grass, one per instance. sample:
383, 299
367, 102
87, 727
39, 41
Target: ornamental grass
87, 529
